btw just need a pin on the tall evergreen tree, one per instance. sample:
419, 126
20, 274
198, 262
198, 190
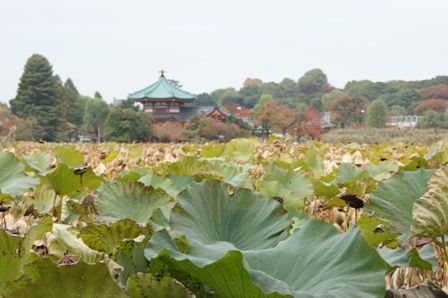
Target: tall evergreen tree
38, 98
75, 106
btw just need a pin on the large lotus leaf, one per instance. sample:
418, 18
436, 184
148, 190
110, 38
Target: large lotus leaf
144, 285
423, 258
64, 181
106, 238
43, 278
392, 200
431, 210
218, 265
208, 213
69, 156
293, 187
66, 239
127, 199
39, 161
240, 149
13, 180
315, 261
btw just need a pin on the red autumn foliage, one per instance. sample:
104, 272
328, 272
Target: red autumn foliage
168, 131
438, 105
437, 91
309, 124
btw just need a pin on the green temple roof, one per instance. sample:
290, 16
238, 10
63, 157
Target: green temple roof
162, 89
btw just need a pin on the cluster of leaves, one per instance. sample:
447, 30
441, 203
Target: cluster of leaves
239, 219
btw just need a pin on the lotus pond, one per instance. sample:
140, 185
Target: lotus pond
241, 219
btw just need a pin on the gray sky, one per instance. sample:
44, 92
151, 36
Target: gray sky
117, 47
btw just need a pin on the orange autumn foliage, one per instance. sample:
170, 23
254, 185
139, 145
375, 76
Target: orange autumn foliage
309, 124
277, 116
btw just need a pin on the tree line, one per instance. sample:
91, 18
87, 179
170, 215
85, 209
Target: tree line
45, 108
358, 103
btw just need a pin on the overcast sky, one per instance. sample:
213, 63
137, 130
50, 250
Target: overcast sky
117, 47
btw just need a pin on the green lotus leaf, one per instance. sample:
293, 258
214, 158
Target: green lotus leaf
43, 199
39, 161
431, 210
376, 231
423, 258
106, 238
161, 182
69, 156
383, 170
218, 265
144, 285
212, 150
348, 173
188, 165
392, 200
240, 149
15, 251
128, 200
43, 278
13, 180
313, 161
232, 173
36, 232
9, 258
130, 255
208, 213
293, 187
67, 240
64, 181
315, 261
134, 174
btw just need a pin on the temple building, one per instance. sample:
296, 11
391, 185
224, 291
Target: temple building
165, 101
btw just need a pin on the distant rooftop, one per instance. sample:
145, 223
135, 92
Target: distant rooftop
162, 89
